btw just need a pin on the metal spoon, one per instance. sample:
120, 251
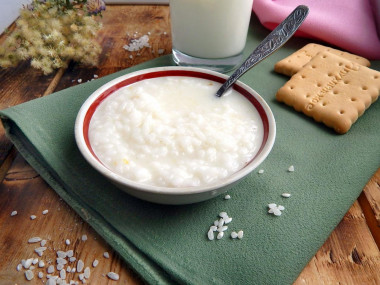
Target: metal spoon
280, 35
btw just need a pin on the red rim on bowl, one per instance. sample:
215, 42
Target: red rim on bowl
102, 93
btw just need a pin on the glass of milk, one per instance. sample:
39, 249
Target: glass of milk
209, 33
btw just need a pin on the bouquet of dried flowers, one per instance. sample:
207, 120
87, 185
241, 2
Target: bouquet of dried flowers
51, 33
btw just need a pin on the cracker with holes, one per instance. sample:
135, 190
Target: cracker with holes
294, 62
332, 90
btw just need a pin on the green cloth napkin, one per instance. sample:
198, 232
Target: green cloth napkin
168, 244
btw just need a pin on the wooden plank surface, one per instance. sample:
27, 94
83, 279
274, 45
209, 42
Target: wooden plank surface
349, 256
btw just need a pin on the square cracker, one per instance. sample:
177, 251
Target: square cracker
294, 62
332, 90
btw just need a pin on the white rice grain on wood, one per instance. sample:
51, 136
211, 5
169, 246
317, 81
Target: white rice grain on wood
113, 275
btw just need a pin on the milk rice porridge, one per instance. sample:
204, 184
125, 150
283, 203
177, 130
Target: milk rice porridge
173, 132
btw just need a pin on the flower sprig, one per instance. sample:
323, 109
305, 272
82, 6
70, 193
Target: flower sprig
51, 33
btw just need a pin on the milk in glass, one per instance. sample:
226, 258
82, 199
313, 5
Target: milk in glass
209, 33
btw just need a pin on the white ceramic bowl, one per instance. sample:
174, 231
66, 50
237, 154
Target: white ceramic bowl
162, 195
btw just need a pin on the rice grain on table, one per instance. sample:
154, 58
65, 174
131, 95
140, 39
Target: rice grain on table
95, 263
227, 197
34, 240
27, 263
62, 274
87, 272
50, 269
210, 234
61, 254
106, 254
113, 275
80, 265
60, 266
70, 253
29, 275
14, 213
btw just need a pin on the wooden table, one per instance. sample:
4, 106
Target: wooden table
349, 256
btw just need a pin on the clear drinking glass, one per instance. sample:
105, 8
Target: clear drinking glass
209, 33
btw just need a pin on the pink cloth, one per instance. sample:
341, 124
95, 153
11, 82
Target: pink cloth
349, 25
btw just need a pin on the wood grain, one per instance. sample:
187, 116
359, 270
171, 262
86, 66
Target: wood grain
349, 256
59, 224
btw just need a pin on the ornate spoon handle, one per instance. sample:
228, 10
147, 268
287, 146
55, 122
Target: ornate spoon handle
280, 35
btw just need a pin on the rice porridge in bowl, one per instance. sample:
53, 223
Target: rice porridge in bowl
162, 135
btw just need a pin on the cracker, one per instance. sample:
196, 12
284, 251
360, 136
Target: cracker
294, 62
332, 90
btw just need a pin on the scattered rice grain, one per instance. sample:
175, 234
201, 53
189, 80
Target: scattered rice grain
106, 254
80, 265
19, 267
222, 229
220, 235
227, 197
227, 220
87, 272
41, 263
14, 213
32, 217
40, 250
84, 237
50, 269
210, 234
67, 242
60, 266
72, 259
261, 171
61, 254
137, 44
291, 168
62, 274
27, 263
70, 253
81, 276
234, 235
240, 234
35, 261
44, 212
79, 80
43, 242
34, 239
29, 275
95, 263
113, 275
40, 275
286, 195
